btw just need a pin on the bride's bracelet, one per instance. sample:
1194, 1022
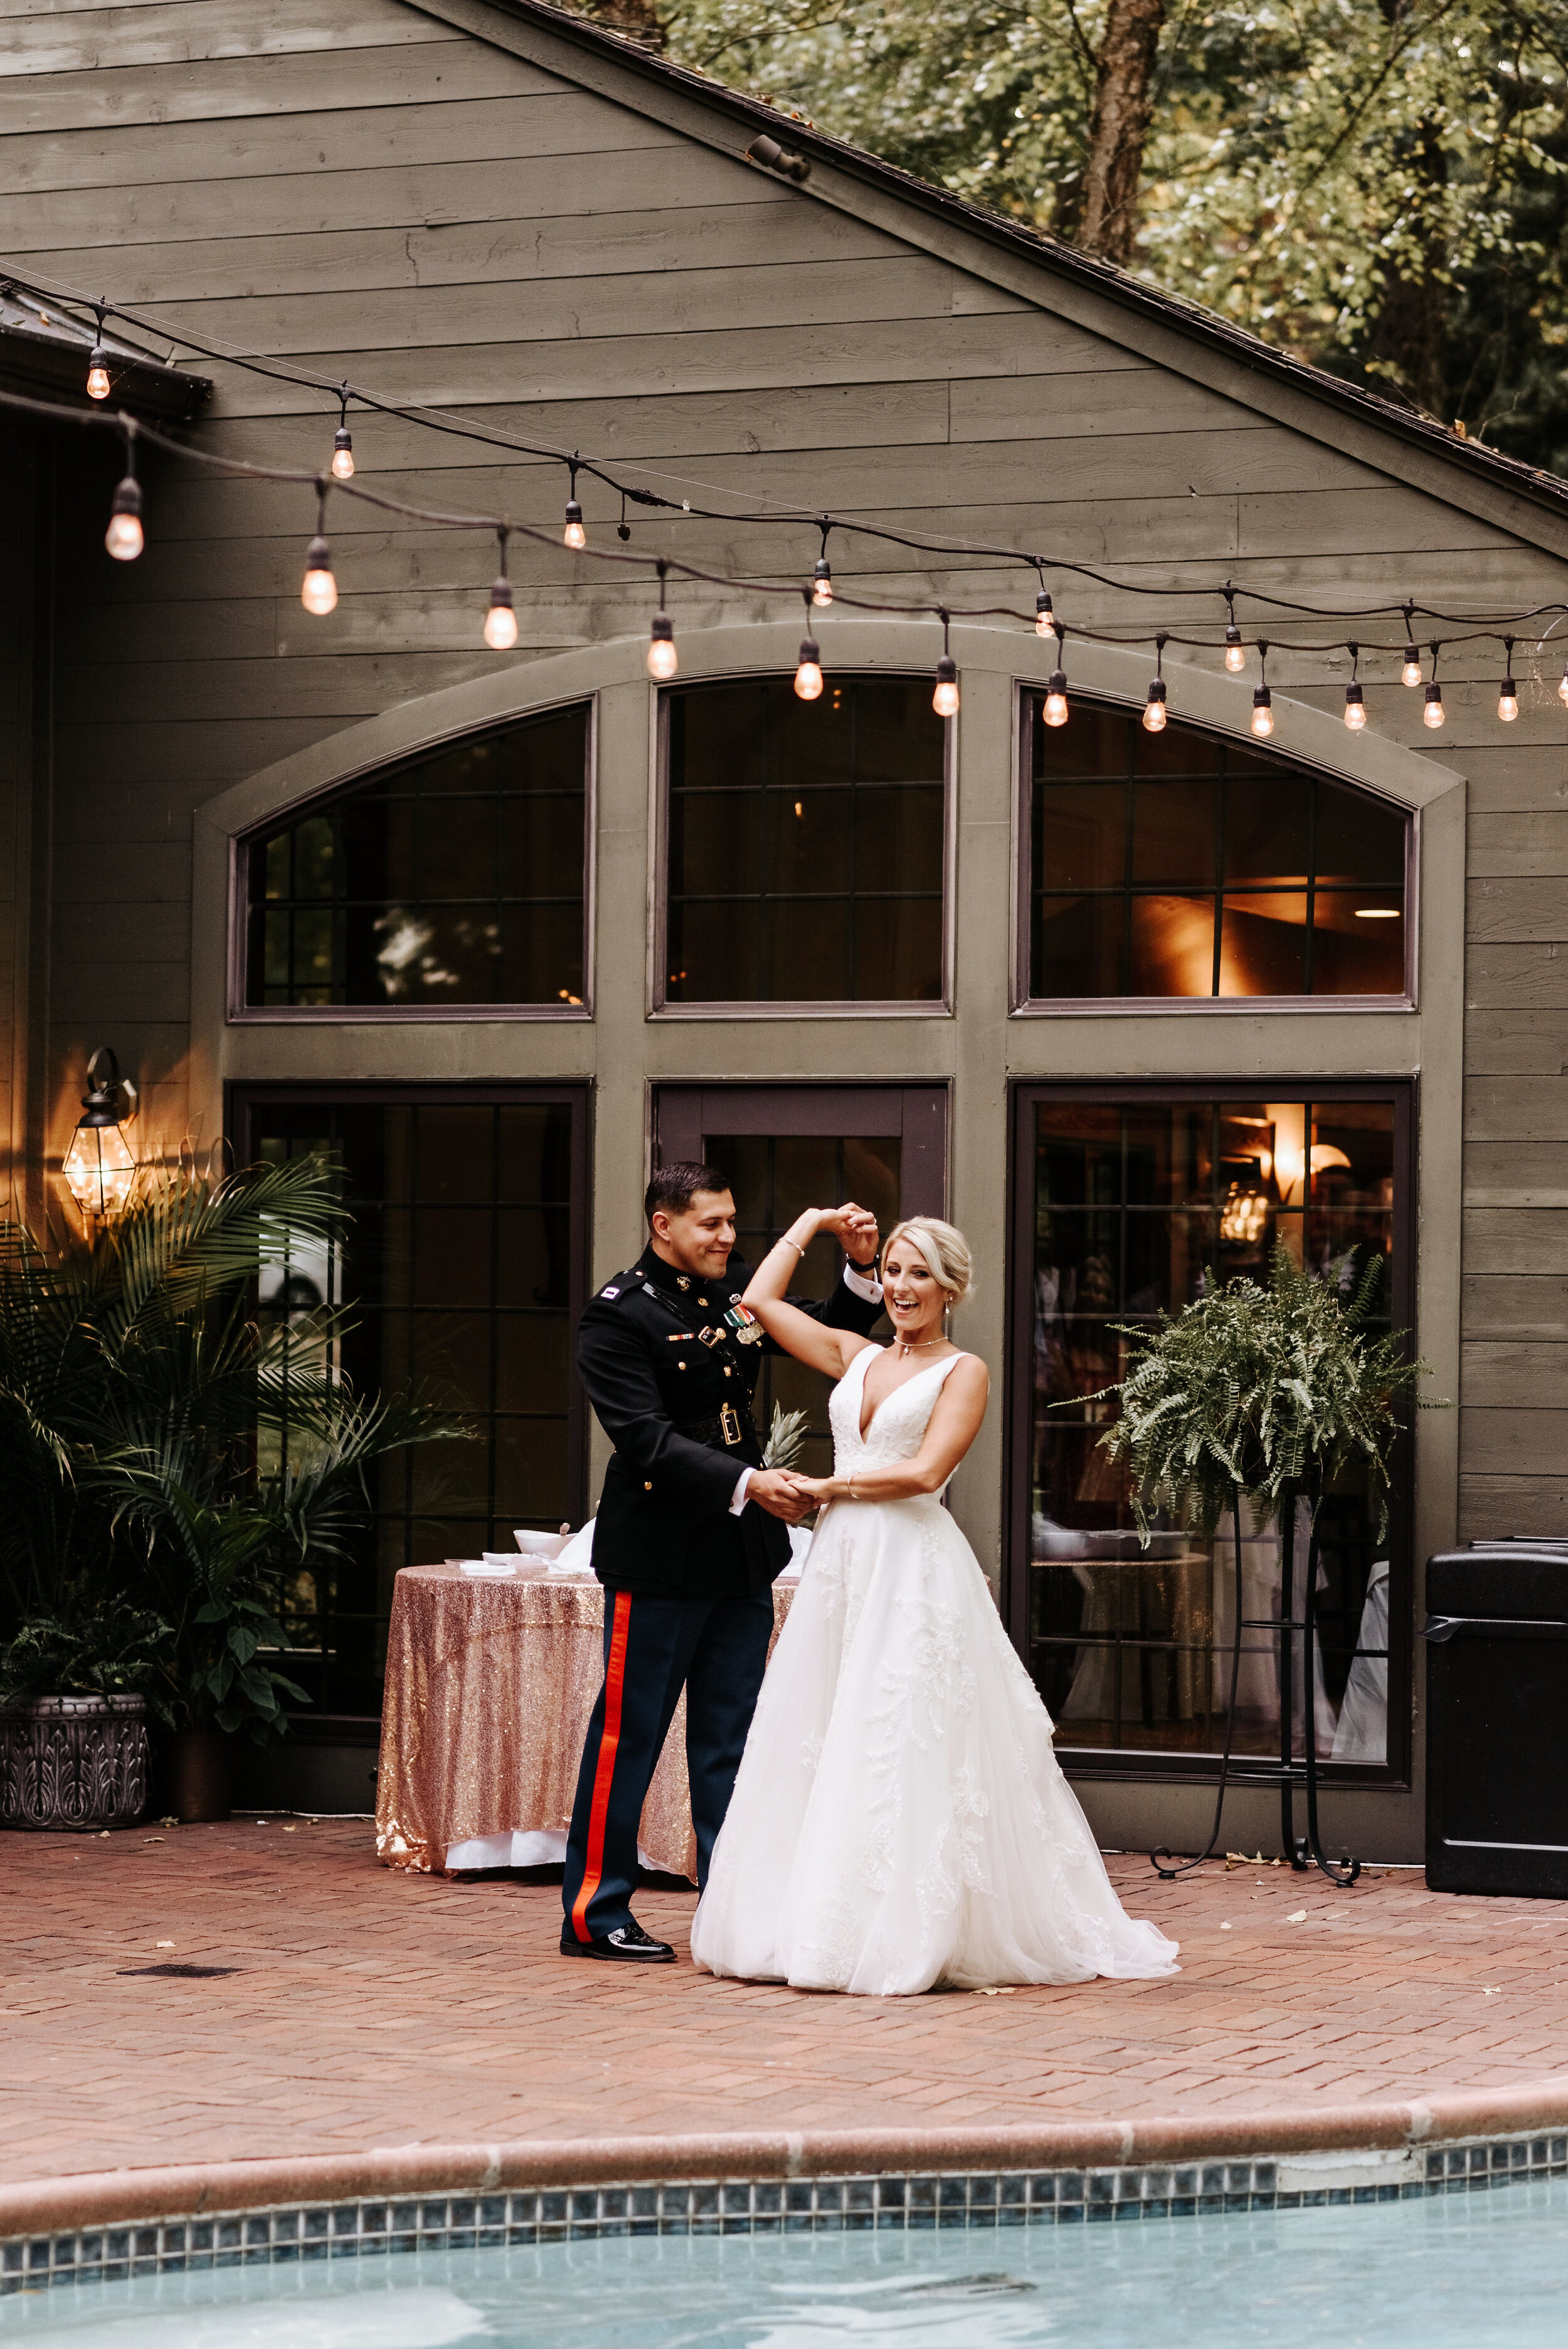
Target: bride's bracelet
785, 1241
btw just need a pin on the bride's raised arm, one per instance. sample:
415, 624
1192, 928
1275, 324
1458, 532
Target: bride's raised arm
800, 1334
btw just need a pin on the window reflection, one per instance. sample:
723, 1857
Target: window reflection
453, 879
804, 858
1134, 1203
1178, 864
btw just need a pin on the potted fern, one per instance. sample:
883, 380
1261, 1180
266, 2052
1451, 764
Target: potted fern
1260, 1395
141, 1555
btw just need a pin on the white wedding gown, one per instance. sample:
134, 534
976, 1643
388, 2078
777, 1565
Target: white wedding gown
900, 1819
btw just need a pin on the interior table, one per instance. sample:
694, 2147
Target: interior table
490, 1684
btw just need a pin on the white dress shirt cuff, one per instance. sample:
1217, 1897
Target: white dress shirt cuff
739, 1503
864, 1284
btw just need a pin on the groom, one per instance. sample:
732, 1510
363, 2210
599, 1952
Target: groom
690, 1534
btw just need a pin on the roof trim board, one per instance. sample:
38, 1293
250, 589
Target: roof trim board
1093, 295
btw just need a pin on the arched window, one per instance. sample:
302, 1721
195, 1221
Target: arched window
457, 879
804, 846
1184, 864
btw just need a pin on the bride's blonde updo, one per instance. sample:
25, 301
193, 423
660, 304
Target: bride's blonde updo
944, 1250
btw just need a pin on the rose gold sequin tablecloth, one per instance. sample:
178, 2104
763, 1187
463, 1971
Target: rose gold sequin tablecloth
490, 1685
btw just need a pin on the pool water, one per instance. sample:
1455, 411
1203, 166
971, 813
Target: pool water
1487, 2271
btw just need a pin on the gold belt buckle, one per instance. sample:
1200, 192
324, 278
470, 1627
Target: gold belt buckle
729, 1423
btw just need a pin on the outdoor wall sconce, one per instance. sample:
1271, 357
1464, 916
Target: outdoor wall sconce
99, 1166
774, 158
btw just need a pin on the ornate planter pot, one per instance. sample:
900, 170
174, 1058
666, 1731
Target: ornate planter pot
73, 1762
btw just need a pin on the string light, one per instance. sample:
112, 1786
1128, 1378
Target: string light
1411, 672
1508, 692
809, 668
343, 439
662, 661
97, 362
1154, 708
623, 528
945, 700
318, 593
1043, 614
1056, 710
124, 538
1263, 699
500, 620
1354, 700
1432, 715
822, 576
574, 535
1235, 651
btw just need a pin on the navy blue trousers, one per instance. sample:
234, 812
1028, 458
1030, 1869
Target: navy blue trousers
717, 1649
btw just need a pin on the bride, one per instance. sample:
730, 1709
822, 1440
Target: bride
900, 1819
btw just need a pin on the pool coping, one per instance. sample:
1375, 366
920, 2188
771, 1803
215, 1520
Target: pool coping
198, 2190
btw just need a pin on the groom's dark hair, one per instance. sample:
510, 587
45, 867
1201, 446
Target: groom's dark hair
674, 1186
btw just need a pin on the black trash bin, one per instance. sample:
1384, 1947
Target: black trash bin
1497, 1719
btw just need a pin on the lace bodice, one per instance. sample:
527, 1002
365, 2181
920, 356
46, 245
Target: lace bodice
899, 1424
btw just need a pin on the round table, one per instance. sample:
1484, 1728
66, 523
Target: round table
490, 1684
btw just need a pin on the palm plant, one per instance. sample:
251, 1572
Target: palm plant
138, 1392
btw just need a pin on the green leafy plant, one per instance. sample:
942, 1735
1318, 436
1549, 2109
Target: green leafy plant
118, 1651
165, 1449
1262, 1391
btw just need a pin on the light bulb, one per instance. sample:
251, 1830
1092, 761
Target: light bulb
822, 584
98, 373
343, 454
1263, 711
1432, 715
1042, 614
574, 535
123, 537
1411, 672
1056, 711
319, 591
1355, 707
500, 620
661, 662
1154, 708
809, 675
1508, 701
1235, 651
945, 700
1563, 688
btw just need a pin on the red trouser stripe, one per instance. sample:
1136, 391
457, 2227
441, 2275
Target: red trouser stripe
605, 1769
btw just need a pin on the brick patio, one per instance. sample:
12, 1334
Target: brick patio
371, 2008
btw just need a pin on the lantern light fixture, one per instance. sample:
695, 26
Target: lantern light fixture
662, 661
500, 620
98, 1167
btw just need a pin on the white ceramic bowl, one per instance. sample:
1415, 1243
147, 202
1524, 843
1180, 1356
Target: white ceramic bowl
541, 1545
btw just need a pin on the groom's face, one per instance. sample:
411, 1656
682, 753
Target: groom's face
698, 1238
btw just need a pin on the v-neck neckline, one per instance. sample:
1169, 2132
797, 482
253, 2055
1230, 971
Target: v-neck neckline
863, 1433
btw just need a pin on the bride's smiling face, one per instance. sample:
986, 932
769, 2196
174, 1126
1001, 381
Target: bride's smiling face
912, 1297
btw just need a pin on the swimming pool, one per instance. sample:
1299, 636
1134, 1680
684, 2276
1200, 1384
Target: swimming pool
1487, 2271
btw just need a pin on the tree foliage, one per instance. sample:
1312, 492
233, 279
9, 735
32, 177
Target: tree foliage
1377, 185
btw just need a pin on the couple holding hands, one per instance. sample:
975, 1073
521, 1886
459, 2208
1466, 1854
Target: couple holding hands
883, 1813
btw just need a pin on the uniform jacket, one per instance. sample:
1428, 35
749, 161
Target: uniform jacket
664, 1521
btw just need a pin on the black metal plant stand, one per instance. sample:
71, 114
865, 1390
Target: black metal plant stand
1302, 1851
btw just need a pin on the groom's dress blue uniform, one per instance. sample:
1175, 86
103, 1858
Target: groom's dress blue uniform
688, 1577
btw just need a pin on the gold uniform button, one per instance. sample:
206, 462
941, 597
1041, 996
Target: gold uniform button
726, 1369
647, 1489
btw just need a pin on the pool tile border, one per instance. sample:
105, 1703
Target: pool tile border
371, 2226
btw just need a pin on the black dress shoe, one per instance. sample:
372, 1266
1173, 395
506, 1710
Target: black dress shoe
625, 1945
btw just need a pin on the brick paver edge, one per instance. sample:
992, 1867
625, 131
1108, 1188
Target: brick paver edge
122, 2197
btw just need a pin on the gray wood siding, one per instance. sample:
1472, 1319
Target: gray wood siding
357, 185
